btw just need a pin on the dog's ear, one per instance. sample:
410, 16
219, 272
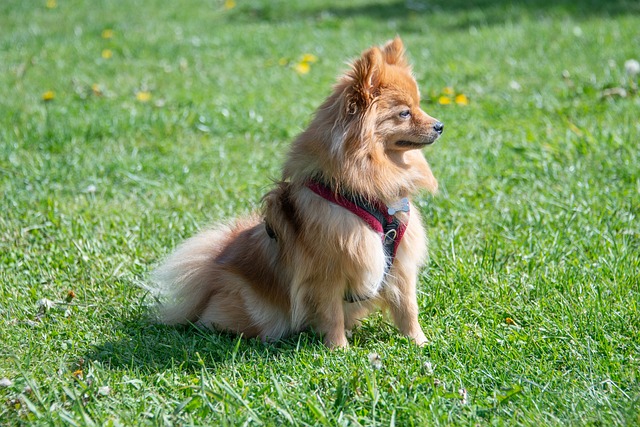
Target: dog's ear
394, 53
365, 78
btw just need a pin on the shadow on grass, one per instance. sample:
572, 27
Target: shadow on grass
144, 345
498, 8
472, 12
150, 347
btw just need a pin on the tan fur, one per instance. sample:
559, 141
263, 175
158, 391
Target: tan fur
237, 278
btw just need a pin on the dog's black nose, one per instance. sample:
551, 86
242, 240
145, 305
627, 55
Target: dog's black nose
438, 127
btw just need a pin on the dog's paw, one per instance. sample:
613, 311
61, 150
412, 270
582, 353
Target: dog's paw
337, 342
419, 339
421, 343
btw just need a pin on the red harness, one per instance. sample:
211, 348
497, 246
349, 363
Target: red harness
378, 216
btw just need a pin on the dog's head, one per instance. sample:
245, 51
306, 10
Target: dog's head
366, 135
381, 94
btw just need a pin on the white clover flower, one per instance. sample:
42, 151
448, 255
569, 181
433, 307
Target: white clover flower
632, 67
428, 368
463, 396
45, 304
375, 360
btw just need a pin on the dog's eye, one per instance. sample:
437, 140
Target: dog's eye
405, 114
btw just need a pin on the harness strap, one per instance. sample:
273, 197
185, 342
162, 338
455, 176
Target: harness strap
376, 214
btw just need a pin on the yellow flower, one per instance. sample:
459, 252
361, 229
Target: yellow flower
448, 91
229, 4
510, 321
143, 96
107, 54
462, 99
107, 33
309, 58
51, 4
302, 67
48, 96
444, 100
97, 89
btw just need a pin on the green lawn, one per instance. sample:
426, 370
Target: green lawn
168, 116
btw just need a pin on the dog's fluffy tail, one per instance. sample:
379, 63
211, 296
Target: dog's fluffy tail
184, 282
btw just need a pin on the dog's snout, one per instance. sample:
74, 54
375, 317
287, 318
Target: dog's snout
438, 127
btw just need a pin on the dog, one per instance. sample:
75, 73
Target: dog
337, 236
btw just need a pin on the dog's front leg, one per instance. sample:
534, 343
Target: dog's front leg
330, 320
404, 307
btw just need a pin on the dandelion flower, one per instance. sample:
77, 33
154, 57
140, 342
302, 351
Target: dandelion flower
632, 67
51, 4
302, 67
448, 91
107, 54
309, 57
48, 96
107, 33
229, 4
96, 89
462, 99
143, 96
444, 100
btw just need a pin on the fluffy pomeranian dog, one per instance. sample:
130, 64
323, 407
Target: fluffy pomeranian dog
337, 236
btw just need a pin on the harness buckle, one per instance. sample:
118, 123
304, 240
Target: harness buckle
390, 236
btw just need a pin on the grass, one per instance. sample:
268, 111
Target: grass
181, 116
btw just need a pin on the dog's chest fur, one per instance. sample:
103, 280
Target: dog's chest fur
339, 245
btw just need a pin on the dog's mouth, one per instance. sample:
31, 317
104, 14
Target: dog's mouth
413, 144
